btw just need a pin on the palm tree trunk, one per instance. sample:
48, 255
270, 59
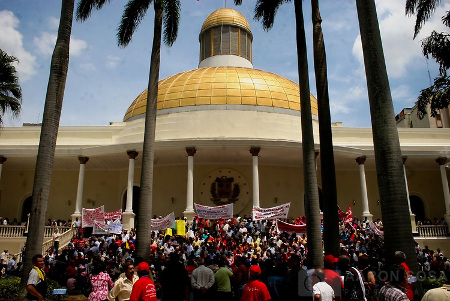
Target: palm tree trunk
144, 214
312, 209
330, 215
391, 181
47, 144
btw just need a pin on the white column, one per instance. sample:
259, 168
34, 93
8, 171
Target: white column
412, 215
362, 177
255, 151
189, 212
131, 159
128, 215
2, 160
83, 160
441, 161
406, 184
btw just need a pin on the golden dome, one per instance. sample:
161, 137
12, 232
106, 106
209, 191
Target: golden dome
225, 16
223, 86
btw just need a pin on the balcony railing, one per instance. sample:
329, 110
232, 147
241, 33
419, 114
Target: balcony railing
20, 231
433, 230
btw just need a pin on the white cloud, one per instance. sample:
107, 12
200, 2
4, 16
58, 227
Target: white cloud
46, 43
112, 61
53, 23
88, 67
77, 46
400, 50
11, 42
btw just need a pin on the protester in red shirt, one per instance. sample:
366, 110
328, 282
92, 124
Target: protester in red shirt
144, 289
331, 277
255, 290
400, 259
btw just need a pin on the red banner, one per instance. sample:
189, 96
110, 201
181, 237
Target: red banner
282, 226
346, 217
113, 215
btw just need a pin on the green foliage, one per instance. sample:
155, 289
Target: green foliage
9, 288
430, 283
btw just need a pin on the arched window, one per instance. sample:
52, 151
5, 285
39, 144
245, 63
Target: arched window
417, 207
26, 208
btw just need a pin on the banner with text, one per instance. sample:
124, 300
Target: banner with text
163, 223
224, 211
115, 227
280, 211
99, 228
282, 226
113, 215
89, 216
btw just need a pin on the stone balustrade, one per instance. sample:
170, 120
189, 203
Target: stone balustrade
433, 230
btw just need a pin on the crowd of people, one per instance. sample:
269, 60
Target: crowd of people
235, 259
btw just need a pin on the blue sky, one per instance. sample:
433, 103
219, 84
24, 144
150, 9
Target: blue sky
104, 79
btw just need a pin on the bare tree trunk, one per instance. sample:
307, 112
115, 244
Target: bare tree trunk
312, 209
330, 215
388, 157
47, 143
144, 215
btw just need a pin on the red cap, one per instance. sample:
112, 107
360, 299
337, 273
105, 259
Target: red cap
329, 259
255, 270
143, 266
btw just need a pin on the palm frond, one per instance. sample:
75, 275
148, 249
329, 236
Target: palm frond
171, 18
133, 14
237, 2
410, 7
446, 19
424, 10
85, 7
266, 10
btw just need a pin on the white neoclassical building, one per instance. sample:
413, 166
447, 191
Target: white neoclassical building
226, 132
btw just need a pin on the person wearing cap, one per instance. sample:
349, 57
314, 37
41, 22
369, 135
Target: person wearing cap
255, 290
331, 277
124, 284
144, 289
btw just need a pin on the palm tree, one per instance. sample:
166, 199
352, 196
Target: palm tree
438, 46
10, 92
47, 143
391, 181
330, 216
265, 10
167, 11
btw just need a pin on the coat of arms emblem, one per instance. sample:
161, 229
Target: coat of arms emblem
224, 191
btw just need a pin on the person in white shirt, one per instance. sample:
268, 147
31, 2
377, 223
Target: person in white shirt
202, 280
322, 291
124, 284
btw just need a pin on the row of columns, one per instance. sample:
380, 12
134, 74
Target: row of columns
128, 215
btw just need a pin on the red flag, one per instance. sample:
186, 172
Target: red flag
282, 226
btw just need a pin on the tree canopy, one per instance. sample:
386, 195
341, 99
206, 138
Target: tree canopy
10, 91
437, 45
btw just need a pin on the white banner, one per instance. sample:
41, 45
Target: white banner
271, 213
113, 215
163, 223
224, 211
91, 215
115, 228
100, 228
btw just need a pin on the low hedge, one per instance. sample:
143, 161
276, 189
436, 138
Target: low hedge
9, 289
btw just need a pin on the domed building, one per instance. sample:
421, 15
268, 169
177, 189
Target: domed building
225, 132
